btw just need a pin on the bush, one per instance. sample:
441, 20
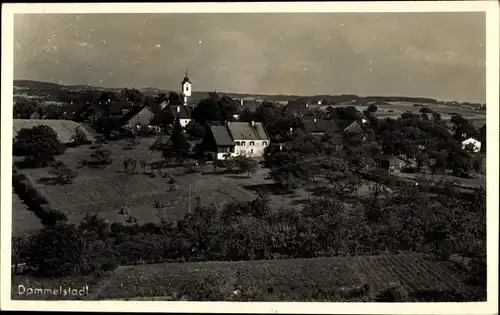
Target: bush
61, 250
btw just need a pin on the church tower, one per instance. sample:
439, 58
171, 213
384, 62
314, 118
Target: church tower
186, 89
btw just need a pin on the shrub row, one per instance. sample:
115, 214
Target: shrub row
34, 201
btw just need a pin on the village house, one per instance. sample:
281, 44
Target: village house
236, 138
137, 117
250, 139
218, 142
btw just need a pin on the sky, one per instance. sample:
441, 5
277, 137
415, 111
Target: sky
438, 55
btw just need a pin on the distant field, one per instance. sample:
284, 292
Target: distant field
65, 129
274, 280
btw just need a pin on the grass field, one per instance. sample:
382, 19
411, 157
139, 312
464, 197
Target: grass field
276, 280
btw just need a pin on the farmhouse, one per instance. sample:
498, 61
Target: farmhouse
218, 141
250, 139
472, 144
237, 138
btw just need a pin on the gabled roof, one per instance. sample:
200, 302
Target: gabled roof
355, 127
222, 135
115, 108
184, 112
87, 109
320, 126
245, 131
133, 111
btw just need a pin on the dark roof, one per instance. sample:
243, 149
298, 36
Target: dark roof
115, 108
320, 126
84, 110
222, 135
186, 79
245, 131
342, 124
133, 111
184, 112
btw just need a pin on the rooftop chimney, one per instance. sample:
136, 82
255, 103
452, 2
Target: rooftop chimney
241, 102
252, 123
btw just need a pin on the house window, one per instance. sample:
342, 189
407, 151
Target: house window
252, 143
243, 143
264, 143
237, 143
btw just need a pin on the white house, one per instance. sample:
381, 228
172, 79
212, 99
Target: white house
250, 138
472, 143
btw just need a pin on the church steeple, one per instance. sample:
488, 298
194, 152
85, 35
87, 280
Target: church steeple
186, 88
186, 78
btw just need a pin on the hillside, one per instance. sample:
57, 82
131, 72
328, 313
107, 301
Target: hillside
46, 87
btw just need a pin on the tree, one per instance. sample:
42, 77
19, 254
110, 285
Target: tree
207, 111
195, 130
227, 108
230, 163
64, 174
100, 157
372, 109
80, 137
54, 251
25, 107
246, 164
462, 127
163, 118
132, 95
247, 115
38, 145
179, 143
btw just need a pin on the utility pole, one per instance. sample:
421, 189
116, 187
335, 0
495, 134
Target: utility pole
189, 200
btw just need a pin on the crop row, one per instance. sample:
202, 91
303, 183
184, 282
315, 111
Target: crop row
412, 272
